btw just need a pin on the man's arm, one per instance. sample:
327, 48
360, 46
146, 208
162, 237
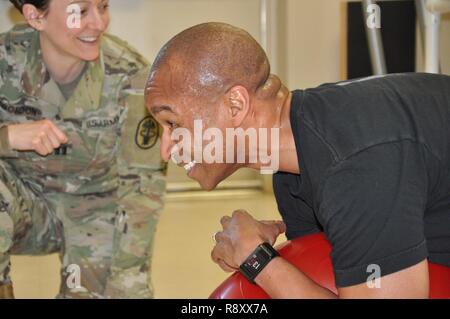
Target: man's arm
280, 279
296, 285
412, 282
241, 235
408, 283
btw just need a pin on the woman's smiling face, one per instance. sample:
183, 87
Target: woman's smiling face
74, 27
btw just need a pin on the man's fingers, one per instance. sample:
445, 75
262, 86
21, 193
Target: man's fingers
281, 227
217, 254
225, 221
220, 237
278, 226
240, 213
225, 266
272, 229
223, 252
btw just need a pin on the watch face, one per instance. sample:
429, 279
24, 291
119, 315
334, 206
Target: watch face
254, 263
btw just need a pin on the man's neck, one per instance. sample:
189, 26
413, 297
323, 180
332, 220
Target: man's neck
274, 112
62, 68
287, 149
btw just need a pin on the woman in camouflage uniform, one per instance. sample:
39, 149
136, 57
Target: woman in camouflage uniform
80, 171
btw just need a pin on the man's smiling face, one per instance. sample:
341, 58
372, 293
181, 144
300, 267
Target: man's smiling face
209, 72
175, 107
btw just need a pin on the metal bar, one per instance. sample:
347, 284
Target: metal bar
269, 11
375, 42
430, 23
420, 11
264, 24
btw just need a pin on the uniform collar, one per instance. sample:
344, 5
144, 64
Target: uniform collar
88, 93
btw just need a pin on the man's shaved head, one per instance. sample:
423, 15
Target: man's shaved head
208, 59
217, 76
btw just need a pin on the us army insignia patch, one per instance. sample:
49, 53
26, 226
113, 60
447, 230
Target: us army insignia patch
147, 133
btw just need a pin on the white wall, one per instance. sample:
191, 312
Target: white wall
308, 30
313, 42
313, 47
148, 24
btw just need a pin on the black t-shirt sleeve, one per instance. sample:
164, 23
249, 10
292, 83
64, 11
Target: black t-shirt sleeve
371, 208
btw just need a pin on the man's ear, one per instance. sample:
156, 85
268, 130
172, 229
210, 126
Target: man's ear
238, 101
33, 16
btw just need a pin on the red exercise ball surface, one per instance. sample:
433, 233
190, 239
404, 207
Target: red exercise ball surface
311, 254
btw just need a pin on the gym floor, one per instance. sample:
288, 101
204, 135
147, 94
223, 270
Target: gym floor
182, 267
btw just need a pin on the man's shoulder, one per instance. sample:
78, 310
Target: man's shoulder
121, 58
348, 116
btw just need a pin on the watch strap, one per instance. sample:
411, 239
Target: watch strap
257, 261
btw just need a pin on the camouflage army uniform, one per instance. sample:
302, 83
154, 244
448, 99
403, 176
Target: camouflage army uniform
97, 199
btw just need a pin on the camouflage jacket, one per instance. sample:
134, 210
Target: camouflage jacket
113, 142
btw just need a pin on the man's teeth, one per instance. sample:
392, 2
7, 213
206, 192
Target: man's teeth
189, 166
88, 39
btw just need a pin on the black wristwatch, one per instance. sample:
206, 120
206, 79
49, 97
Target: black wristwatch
256, 262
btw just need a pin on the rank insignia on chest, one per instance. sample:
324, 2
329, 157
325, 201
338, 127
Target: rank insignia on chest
63, 149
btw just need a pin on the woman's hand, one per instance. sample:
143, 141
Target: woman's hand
240, 236
40, 136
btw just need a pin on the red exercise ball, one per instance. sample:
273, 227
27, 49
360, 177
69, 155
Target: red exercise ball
311, 254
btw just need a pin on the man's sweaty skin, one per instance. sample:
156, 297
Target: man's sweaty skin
219, 73
191, 78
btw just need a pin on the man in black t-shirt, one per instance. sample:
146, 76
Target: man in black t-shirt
366, 161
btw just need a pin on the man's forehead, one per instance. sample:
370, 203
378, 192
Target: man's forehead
157, 78
158, 87
167, 92
164, 81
